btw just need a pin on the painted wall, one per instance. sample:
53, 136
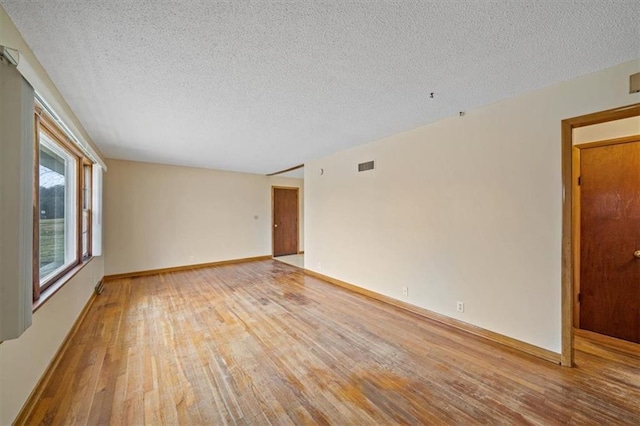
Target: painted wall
609, 130
159, 216
464, 209
24, 360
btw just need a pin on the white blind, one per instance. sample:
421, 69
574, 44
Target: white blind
16, 201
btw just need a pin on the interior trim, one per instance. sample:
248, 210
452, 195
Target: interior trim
452, 322
568, 249
184, 267
290, 169
47, 293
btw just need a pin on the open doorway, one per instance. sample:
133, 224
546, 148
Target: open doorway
288, 216
590, 267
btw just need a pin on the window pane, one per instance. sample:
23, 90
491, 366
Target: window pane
85, 233
57, 225
86, 188
86, 210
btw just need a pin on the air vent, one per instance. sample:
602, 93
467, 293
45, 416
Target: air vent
363, 167
634, 83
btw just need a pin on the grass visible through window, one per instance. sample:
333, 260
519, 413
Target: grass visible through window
51, 245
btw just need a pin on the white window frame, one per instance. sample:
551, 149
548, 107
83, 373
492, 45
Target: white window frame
71, 206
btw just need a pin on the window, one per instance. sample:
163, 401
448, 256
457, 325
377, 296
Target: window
86, 210
63, 201
56, 199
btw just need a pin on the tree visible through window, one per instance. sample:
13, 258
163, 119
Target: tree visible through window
56, 200
62, 203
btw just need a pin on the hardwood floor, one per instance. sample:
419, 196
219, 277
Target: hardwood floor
261, 343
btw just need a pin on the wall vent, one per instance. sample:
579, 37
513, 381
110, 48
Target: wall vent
363, 167
634, 83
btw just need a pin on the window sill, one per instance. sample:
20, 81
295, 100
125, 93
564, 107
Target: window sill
53, 288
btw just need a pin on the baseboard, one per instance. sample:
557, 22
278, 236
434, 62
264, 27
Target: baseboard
36, 393
184, 268
452, 322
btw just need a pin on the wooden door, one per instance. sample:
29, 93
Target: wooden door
609, 239
285, 221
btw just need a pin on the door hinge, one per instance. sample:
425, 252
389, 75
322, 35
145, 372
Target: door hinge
579, 180
579, 297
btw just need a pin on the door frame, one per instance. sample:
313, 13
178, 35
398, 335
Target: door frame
569, 248
273, 215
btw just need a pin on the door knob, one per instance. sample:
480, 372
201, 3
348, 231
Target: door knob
637, 254
275, 225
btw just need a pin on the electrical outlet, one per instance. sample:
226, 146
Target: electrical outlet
405, 291
460, 306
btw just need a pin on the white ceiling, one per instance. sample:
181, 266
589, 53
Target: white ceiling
262, 86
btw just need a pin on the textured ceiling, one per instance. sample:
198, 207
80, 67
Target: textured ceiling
262, 86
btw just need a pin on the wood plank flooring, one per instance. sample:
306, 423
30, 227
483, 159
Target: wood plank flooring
261, 343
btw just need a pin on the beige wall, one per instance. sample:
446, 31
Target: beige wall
609, 130
159, 216
465, 209
24, 360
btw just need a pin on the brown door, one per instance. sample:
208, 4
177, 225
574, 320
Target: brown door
609, 239
285, 221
